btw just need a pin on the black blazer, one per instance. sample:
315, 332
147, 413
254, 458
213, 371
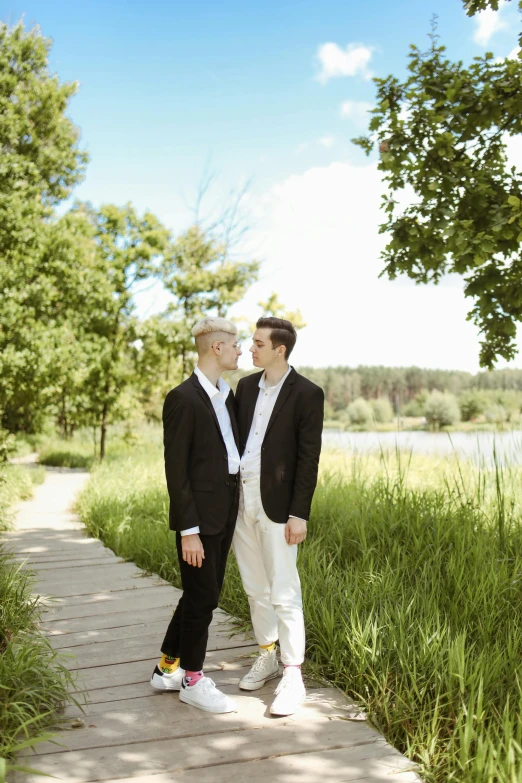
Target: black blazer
196, 459
292, 443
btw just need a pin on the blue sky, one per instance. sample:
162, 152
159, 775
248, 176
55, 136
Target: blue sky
167, 86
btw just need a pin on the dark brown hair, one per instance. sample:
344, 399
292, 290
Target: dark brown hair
282, 332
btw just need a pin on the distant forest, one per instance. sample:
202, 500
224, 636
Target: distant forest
343, 385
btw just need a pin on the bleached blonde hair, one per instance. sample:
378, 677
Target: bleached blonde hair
206, 331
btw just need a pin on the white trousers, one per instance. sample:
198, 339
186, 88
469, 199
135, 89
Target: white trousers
268, 569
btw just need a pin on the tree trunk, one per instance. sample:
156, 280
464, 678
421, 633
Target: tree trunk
103, 430
63, 417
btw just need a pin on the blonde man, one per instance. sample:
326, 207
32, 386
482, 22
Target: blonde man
201, 467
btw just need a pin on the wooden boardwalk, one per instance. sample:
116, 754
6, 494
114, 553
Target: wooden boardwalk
109, 617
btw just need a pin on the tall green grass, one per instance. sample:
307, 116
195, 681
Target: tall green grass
412, 589
33, 682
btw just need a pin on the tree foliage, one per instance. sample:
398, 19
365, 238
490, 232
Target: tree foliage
441, 135
40, 163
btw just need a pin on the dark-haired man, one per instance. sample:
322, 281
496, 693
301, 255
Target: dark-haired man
280, 418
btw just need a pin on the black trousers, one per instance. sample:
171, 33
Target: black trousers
187, 634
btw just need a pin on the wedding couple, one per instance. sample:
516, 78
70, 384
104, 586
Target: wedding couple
240, 472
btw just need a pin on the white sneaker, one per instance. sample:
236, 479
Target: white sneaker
290, 693
167, 682
206, 696
265, 668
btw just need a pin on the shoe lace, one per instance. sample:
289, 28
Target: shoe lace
287, 682
260, 663
209, 686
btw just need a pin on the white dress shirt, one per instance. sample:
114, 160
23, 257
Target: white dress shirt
266, 400
218, 397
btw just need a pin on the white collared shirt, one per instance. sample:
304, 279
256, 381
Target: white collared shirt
218, 397
266, 400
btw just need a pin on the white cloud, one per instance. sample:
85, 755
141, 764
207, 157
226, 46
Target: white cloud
318, 235
326, 141
335, 61
513, 55
301, 148
356, 110
488, 23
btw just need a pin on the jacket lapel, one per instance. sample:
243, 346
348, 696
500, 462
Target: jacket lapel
233, 419
282, 397
250, 408
206, 399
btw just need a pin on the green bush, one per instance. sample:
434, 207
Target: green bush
415, 407
382, 410
359, 412
441, 409
59, 458
472, 404
497, 414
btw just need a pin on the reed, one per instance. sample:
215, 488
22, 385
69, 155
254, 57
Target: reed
412, 584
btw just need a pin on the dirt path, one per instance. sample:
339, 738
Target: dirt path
110, 618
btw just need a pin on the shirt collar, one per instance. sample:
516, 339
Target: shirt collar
222, 388
262, 382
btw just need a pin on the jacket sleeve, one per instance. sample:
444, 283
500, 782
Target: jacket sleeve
178, 429
308, 453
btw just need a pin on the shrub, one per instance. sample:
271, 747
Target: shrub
471, 404
416, 406
441, 409
65, 459
382, 410
497, 414
359, 412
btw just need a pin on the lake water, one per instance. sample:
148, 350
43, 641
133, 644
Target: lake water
475, 445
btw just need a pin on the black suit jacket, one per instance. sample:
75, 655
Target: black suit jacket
196, 459
292, 443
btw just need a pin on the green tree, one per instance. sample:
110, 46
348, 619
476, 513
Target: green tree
128, 250
203, 279
41, 162
441, 409
359, 412
382, 410
441, 133
275, 308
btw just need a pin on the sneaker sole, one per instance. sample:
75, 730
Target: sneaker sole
159, 684
203, 707
291, 712
255, 686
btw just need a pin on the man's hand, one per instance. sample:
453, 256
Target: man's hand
295, 531
192, 550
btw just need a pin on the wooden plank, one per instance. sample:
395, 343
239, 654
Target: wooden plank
108, 620
71, 566
123, 673
162, 718
325, 702
73, 556
114, 569
73, 629
108, 653
88, 604
215, 757
144, 629
106, 584
102, 699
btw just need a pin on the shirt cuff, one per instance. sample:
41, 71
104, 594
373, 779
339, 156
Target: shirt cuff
292, 516
191, 531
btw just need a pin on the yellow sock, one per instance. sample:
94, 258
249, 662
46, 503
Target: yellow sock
168, 665
270, 647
